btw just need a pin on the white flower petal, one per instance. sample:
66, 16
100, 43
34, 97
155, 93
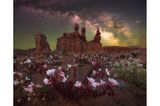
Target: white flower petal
102, 82
51, 72
113, 81
46, 81
69, 65
94, 72
65, 78
78, 84
107, 72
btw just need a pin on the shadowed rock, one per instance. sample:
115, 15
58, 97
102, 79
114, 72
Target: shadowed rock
42, 46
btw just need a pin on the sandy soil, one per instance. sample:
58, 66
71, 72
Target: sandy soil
129, 96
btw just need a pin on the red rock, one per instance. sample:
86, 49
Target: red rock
122, 49
77, 43
97, 37
83, 31
42, 46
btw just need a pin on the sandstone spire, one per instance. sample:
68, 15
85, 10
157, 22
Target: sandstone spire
76, 27
42, 46
83, 31
76, 42
97, 37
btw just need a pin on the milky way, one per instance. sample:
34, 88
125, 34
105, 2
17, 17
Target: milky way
121, 22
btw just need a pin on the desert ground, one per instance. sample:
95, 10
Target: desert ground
96, 79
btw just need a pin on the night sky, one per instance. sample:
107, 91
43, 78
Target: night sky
121, 22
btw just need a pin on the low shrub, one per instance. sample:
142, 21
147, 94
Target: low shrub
132, 72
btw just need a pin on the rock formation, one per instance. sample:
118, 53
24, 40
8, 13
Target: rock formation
83, 31
97, 37
77, 43
42, 46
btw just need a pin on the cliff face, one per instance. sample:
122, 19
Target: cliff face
77, 43
42, 46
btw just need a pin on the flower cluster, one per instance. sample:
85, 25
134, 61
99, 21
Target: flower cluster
131, 71
63, 78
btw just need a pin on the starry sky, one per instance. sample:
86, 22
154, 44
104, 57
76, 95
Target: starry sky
121, 22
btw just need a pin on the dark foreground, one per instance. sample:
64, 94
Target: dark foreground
130, 90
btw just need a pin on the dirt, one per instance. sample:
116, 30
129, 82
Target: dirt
128, 96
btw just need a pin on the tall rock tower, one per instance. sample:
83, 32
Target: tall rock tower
76, 42
83, 35
97, 37
76, 30
76, 27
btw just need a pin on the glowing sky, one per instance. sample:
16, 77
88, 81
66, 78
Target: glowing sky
121, 22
